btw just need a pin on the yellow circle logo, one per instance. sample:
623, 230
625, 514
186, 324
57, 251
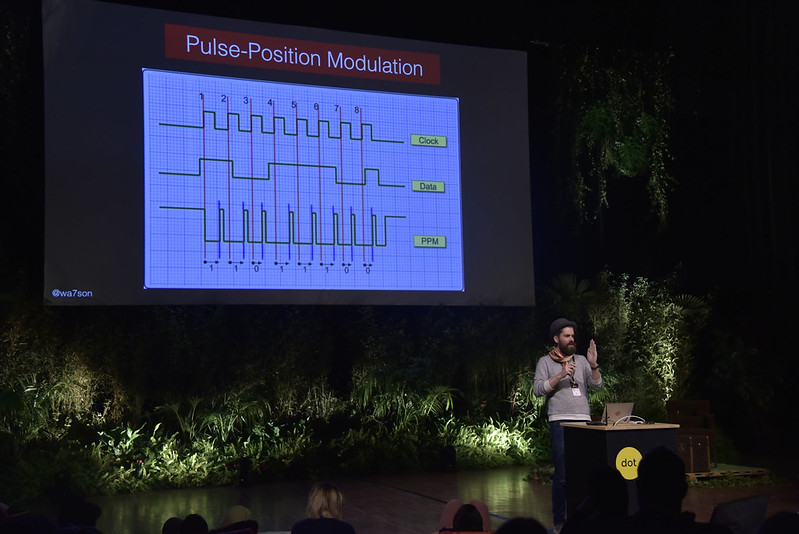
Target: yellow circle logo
627, 462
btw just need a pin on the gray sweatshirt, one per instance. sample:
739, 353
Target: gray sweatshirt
562, 404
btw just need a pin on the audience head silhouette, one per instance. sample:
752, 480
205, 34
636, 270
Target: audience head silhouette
324, 511
607, 490
194, 524
471, 517
522, 525
661, 482
238, 518
172, 525
467, 519
236, 514
324, 500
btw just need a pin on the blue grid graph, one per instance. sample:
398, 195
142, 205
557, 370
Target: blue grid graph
261, 185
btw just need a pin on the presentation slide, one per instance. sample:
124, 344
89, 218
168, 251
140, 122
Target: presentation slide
201, 160
285, 186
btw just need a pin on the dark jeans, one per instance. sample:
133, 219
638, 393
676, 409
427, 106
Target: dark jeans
559, 476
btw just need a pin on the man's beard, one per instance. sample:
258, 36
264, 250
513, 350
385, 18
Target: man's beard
567, 349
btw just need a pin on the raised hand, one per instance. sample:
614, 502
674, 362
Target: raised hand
591, 355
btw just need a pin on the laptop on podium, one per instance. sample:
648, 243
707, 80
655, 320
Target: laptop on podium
617, 411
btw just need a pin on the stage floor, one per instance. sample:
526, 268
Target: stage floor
396, 504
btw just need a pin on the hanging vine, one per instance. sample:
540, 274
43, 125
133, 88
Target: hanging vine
612, 117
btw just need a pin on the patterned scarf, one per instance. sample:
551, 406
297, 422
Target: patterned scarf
558, 357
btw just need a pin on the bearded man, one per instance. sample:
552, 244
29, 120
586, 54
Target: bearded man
564, 377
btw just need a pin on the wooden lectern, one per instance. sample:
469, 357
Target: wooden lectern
621, 446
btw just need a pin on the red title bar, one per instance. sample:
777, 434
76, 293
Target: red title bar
260, 51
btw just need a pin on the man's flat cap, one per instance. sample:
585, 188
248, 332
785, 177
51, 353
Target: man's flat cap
559, 324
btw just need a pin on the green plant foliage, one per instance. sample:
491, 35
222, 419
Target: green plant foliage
648, 335
569, 296
388, 399
522, 399
646, 332
494, 443
613, 113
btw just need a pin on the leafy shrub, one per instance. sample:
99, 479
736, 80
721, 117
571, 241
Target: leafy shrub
105, 404
494, 443
648, 335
